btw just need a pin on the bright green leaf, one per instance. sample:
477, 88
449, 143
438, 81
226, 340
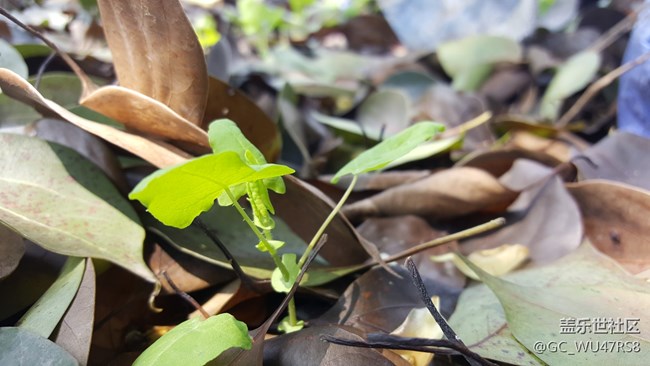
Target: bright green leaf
196, 342
44, 201
390, 149
46, 313
177, 195
277, 280
574, 75
11, 59
275, 244
225, 135
205, 28
22, 347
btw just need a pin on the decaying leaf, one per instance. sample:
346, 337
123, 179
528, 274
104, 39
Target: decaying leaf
156, 53
446, 194
419, 323
538, 312
22, 347
76, 329
160, 156
615, 217
55, 211
11, 251
144, 114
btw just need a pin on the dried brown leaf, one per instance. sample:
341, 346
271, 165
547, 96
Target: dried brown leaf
615, 217
447, 194
17, 88
156, 52
144, 114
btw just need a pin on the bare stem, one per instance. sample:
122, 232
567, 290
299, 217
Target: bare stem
327, 221
260, 236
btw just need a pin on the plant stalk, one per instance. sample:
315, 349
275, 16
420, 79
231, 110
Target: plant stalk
327, 221
260, 236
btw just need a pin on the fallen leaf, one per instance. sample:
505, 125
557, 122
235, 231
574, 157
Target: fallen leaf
544, 217
11, 251
496, 261
419, 323
19, 89
22, 347
53, 210
498, 162
156, 53
616, 158
46, 313
537, 312
615, 220
144, 114
447, 194
76, 328
12, 60
306, 347
384, 111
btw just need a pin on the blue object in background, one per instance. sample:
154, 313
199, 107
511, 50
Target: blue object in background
634, 86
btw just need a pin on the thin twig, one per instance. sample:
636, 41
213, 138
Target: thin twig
185, 295
245, 279
599, 84
444, 326
490, 225
435, 346
88, 85
41, 69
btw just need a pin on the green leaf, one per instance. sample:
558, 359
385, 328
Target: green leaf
225, 135
275, 244
11, 59
46, 313
390, 149
574, 75
196, 342
22, 347
592, 286
177, 195
277, 280
46, 203
285, 325
471, 58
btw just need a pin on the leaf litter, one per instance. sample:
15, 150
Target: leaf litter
560, 186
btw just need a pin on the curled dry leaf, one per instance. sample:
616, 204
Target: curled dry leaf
144, 114
158, 155
156, 53
544, 217
497, 261
615, 217
447, 194
419, 324
497, 162
616, 158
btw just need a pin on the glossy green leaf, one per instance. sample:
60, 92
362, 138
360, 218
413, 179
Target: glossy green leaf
390, 149
574, 75
72, 209
177, 195
196, 342
11, 59
46, 313
592, 286
22, 347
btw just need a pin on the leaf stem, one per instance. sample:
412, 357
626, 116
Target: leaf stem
293, 317
260, 236
327, 221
